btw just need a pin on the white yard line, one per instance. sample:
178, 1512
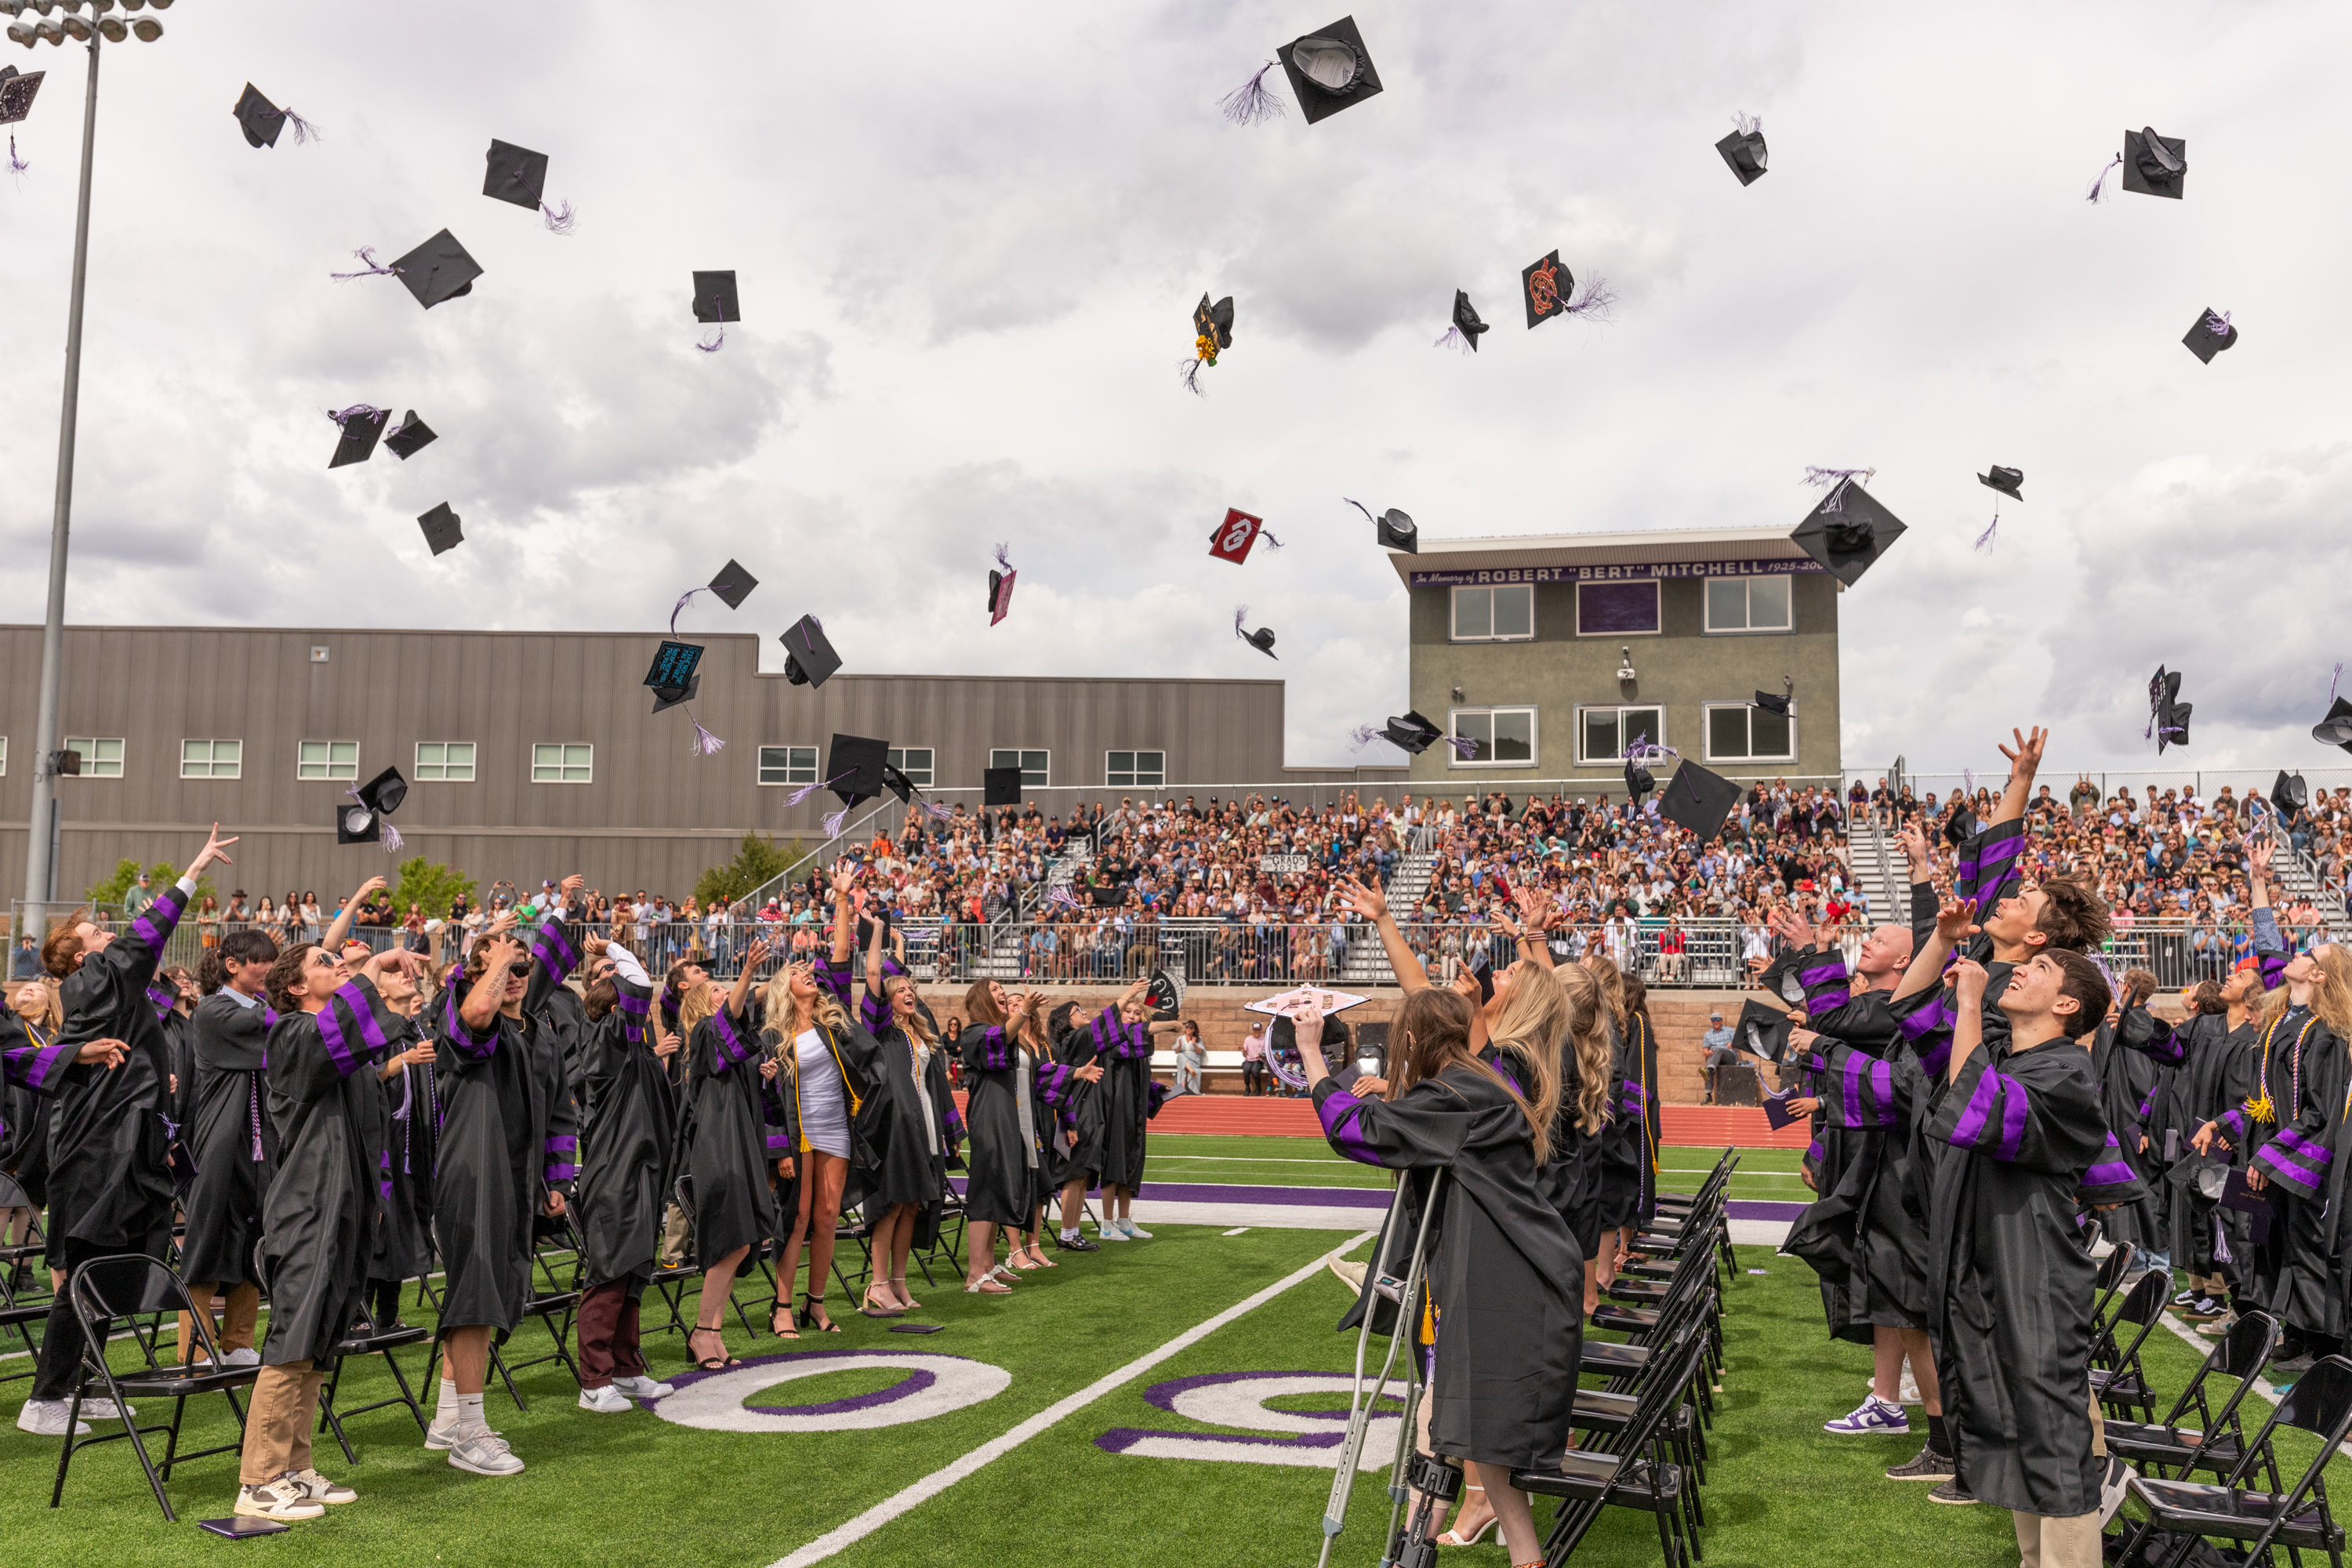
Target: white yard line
1238, 1230
865, 1524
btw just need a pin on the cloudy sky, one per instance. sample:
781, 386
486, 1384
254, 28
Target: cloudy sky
968, 240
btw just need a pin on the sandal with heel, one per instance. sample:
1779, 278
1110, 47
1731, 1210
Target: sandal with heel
781, 1321
718, 1362
869, 1307
815, 1315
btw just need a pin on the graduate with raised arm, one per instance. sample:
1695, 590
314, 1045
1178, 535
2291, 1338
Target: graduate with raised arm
1070, 1086
229, 1137
1009, 1173
729, 1160
332, 1028
1123, 1034
508, 1158
110, 1185
917, 1130
2012, 1284
402, 1250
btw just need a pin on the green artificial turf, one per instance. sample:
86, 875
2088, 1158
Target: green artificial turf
1763, 1174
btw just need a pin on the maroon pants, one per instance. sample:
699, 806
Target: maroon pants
608, 1332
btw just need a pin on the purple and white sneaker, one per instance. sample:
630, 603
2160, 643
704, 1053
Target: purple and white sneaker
1873, 1417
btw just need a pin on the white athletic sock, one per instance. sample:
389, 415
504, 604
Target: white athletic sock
447, 1410
470, 1413
1069, 1233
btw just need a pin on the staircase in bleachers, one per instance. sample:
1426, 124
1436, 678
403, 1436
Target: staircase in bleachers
1879, 874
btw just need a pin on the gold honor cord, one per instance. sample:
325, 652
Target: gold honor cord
1204, 347
2260, 1109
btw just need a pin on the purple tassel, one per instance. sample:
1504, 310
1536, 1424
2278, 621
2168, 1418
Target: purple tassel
16, 165
1837, 479
1453, 336
1240, 616
2331, 684
1598, 297
1268, 540
559, 219
834, 821
342, 415
391, 839
807, 790
366, 253
1190, 371
304, 131
1062, 895
2219, 325
1465, 747
674, 610
936, 812
1359, 506
1004, 556
2098, 186
1252, 103
705, 745
1967, 781
1363, 735
716, 343
1748, 124
1984, 540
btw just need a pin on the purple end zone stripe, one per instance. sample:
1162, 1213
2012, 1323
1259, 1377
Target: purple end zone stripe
726, 1049
2114, 1173
2013, 1109
331, 1033
1970, 1127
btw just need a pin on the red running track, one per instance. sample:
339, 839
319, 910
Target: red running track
1238, 1115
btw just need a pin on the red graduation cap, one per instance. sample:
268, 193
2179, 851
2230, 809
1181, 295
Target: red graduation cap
1235, 536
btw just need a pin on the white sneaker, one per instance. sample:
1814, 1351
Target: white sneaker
317, 1488
242, 1358
439, 1435
1108, 1231
280, 1498
104, 1410
605, 1401
485, 1452
1132, 1231
643, 1388
47, 1418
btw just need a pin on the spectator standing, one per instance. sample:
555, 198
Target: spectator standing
140, 895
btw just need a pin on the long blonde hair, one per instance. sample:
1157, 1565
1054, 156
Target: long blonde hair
1588, 1036
913, 1021
1530, 1025
694, 1007
783, 1009
1605, 974
2331, 993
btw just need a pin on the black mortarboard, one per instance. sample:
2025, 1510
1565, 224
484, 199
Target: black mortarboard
1848, 531
733, 584
1466, 320
1762, 1028
899, 783
1329, 70
1166, 994
1393, 529
2168, 715
809, 658
2335, 730
1638, 781
1543, 287
1412, 733
410, 437
2211, 333
853, 767
714, 298
516, 174
441, 529
1698, 800
1261, 639
2009, 482
362, 821
999, 786
2290, 794
2155, 165
1214, 323
356, 823
673, 670
17, 92
668, 696
438, 270
999, 585
1744, 150
1959, 828
260, 119
383, 793
361, 426
1773, 702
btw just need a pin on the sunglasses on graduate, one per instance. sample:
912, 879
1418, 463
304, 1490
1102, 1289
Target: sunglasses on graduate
519, 966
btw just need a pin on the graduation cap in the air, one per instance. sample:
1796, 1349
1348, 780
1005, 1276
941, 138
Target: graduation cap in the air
1959, 828
518, 174
1261, 639
1744, 149
1233, 537
910, 794
733, 585
672, 675
1213, 333
1779, 703
809, 658
2155, 165
1330, 69
1698, 800
999, 786
1392, 529
364, 821
853, 771
1545, 286
408, 437
668, 696
999, 585
17, 90
2211, 333
262, 120
715, 300
1166, 994
1464, 333
2009, 482
2335, 730
1848, 530
1638, 781
1762, 1029
2167, 716
441, 529
2290, 796
437, 270
360, 424
1412, 733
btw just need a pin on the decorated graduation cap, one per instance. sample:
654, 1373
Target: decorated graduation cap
999, 786
364, 821
1330, 69
518, 174
1166, 994
809, 658
17, 90
2167, 716
1744, 149
1698, 800
2153, 166
2009, 482
262, 121
673, 670
1213, 333
1546, 285
1393, 529
2289, 795
410, 437
1847, 530
999, 585
1233, 537
1762, 1029
361, 423
1261, 639
441, 529
2211, 333
1781, 701
715, 300
1464, 333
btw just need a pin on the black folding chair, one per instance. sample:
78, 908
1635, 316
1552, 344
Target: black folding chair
2320, 1402
950, 1215
2118, 1378
2112, 1269
133, 1290
1631, 1471
2217, 1442
554, 1300
364, 1342
857, 1227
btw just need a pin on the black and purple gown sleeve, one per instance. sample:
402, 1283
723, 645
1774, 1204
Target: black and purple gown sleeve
1424, 1130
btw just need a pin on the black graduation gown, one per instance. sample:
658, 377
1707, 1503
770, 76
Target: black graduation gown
505, 1139
1009, 1175
2216, 1076
627, 1143
730, 1158
2127, 1088
325, 1196
1504, 1271
1079, 1107
1567, 1179
24, 1110
2295, 1146
404, 1241
1125, 1051
2012, 1284
110, 1131
915, 1122
1617, 1194
232, 1143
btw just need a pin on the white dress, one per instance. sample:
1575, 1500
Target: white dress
825, 1108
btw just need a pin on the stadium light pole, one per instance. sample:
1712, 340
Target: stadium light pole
39, 864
